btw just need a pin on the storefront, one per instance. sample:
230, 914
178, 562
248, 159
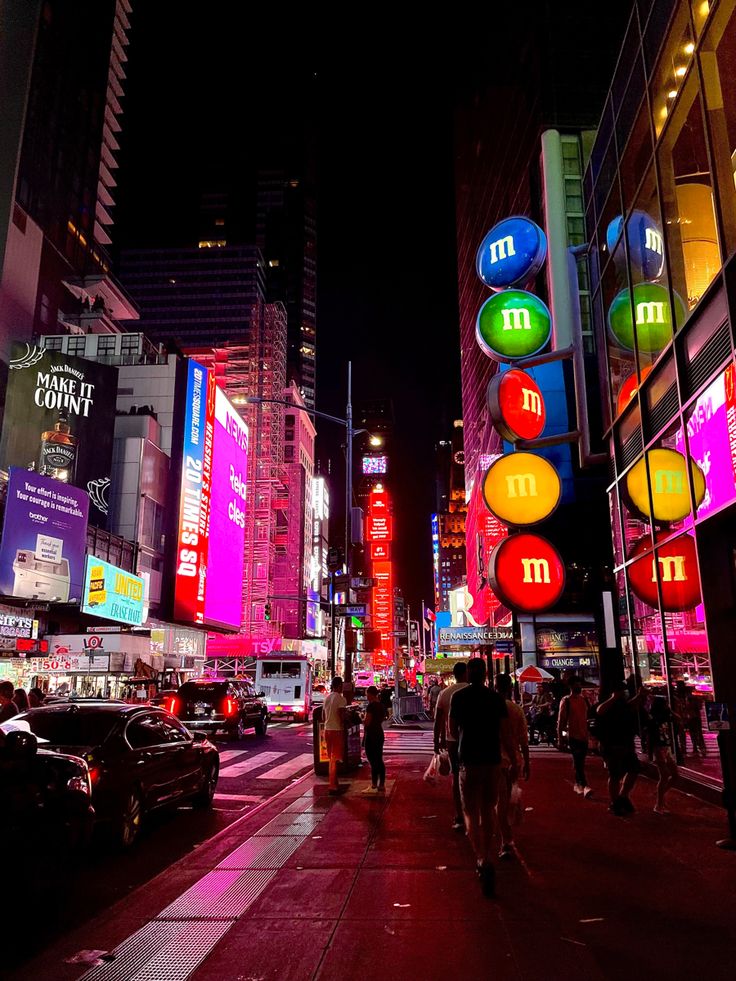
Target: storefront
660, 204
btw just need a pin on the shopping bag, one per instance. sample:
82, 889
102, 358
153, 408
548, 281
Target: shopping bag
516, 811
443, 767
430, 774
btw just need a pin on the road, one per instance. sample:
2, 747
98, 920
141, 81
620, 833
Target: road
53, 893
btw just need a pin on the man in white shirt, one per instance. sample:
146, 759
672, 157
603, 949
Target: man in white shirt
333, 713
443, 738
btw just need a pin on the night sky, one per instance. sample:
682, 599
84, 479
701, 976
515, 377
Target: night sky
206, 95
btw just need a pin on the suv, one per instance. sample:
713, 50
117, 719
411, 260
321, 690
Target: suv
216, 704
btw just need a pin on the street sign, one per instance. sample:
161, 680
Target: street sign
355, 610
504, 646
341, 583
362, 583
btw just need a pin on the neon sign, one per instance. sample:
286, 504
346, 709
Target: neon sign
651, 323
516, 405
522, 489
513, 324
511, 254
664, 473
678, 573
527, 573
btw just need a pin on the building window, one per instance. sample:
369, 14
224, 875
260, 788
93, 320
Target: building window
129, 344
54, 343
77, 345
106, 345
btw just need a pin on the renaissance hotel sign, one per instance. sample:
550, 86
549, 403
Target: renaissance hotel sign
468, 637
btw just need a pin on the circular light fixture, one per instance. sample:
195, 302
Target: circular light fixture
665, 472
521, 489
526, 573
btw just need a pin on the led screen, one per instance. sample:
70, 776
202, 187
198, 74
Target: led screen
375, 464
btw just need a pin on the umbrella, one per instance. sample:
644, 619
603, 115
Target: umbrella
532, 673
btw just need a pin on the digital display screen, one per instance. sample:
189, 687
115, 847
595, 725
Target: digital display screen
375, 464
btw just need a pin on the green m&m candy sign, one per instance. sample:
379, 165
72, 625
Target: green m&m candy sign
513, 324
651, 320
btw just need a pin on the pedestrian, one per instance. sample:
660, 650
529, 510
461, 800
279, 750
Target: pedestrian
8, 708
615, 723
434, 693
444, 739
476, 714
659, 726
515, 730
333, 713
572, 730
21, 699
375, 716
36, 697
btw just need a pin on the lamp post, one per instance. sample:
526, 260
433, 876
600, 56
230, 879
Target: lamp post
350, 433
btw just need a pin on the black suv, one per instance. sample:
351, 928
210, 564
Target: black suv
218, 705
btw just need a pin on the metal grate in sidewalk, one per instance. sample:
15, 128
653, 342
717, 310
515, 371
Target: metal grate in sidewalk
291, 824
223, 894
161, 952
311, 803
261, 853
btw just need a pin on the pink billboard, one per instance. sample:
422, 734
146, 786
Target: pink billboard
223, 597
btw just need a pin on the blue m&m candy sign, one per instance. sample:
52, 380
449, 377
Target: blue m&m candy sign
511, 254
646, 244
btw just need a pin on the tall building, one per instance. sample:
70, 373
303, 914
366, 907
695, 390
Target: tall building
64, 206
448, 523
286, 233
211, 301
292, 573
520, 148
660, 202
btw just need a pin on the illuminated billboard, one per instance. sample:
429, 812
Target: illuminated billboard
379, 528
375, 464
59, 421
112, 593
211, 529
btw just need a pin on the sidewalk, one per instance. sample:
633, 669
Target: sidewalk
312, 887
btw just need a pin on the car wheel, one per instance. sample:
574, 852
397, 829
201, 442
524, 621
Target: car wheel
260, 726
131, 819
203, 798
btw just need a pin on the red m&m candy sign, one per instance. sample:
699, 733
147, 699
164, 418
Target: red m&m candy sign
516, 404
678, 573
527, 573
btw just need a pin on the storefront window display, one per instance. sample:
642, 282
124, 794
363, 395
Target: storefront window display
693, 248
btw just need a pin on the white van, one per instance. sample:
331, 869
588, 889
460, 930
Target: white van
286, 681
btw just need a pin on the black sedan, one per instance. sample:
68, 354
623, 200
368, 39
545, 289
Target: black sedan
140, 758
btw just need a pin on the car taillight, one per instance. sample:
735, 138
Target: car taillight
230, 707
172, 704
95, 773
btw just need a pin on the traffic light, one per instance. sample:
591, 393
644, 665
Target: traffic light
267, 611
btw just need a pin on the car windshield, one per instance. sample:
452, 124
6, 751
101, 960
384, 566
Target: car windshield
281, 669
72, 728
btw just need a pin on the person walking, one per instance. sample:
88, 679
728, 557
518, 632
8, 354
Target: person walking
572, 728
434, 693
444, 739
659, 726
8, 708
515, 729
375, 716
615, 722
333, 713
476, 714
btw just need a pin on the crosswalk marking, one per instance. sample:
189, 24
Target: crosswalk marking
229, 755
261, 759
248, 798
288, 768
410, 743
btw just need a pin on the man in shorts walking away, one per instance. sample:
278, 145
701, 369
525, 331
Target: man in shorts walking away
333, 712
572, 726
444, 739
476, 714
615, 729
375, 715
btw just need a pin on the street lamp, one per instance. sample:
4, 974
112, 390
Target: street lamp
350, 433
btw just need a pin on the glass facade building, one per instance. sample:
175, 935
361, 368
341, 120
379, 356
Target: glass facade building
660, 206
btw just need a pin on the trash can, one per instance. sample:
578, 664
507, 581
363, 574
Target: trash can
351, 754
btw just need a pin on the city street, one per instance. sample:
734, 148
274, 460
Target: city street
73, 889
310, 887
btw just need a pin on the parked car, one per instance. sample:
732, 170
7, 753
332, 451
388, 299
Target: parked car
140, 758
215, 705
44, 795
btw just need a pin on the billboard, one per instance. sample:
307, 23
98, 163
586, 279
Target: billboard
59, 419
211, 528
375, 464
44, 539
112, 593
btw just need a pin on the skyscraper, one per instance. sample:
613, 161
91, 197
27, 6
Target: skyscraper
286, 233
64, 202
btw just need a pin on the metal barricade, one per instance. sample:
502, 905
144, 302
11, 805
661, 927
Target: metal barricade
408, 708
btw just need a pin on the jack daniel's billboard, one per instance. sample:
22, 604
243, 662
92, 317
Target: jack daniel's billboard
59, 421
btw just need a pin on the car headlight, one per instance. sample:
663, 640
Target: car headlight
81, 783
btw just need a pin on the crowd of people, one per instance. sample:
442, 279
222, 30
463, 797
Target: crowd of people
13, 701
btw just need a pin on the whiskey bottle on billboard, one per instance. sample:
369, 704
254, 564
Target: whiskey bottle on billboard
58, 456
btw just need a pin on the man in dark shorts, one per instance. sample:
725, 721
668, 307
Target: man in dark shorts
375, 715
476, 713
615, 730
